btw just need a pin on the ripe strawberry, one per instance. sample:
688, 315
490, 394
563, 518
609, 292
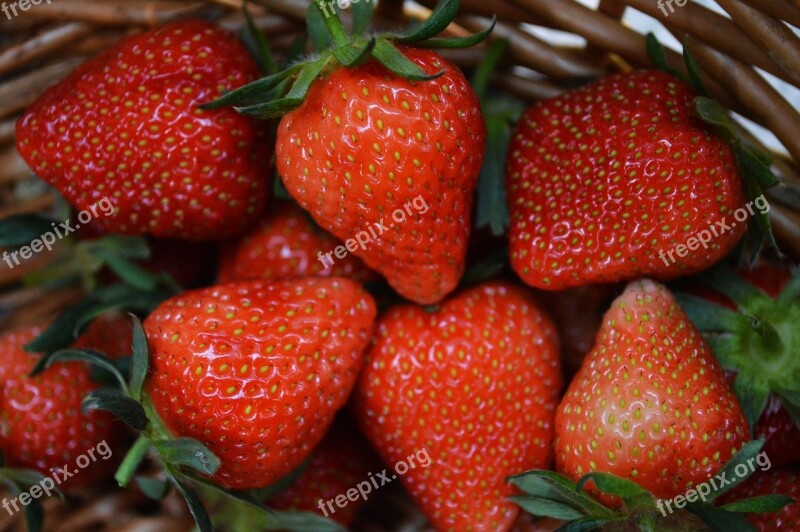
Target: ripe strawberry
474, 383
283, 245
257, 370
366, 143
339, 464
126, 125
41, 422
650, 402
776, 481
605, 181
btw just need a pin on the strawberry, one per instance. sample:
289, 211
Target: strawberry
605, 182
283, 245
650, 402
473, 383
256, 370
340, 463
126, 126
366, 143
777, 481
382, 144
754, 329
42, 425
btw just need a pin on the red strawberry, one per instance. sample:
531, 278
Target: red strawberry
774, 482
475, 384
650, 402
605, 181
126, 126
374, 154
339, 464
283, 245
256, 371
41, 422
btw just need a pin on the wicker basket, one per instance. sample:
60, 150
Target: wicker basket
748, 53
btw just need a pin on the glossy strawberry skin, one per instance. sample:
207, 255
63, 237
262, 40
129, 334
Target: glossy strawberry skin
340, 463
476, 384
257, 370
126, 125
650, 402
41, 422
286, 245
773, 482
366, 143
604, 178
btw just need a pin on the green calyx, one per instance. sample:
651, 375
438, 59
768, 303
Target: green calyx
281, 92
181, 459
549, 494
753, 164
760, 341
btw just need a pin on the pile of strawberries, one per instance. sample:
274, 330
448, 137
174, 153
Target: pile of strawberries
232, 388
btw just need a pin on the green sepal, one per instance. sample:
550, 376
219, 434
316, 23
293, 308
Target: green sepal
791, 291
459, 42
354, 54
257, 43
759, 505
362, 16
749, 451
193, 502
393, 59
120, 405
693, 70
584, 525
752, 398
727, 282
139, 361
655, 52
553, 486
441, 17
633, 495
22, 229
294, 98
80, 355
708, 316
188, 452
543, 507
154, 488
720, 519
321, 38
255, 92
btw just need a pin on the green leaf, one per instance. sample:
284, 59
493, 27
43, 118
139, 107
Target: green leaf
140, 360
443, 14
131, 273
194, 503
121, 406
34, 516
394, 60
760, 505
459, 42
362, 16
154, 488
488, 65
546, 508
708, 316
257, 43
62, 332
80, 355
655, 51
633, 495
553, 486
188, 452
491, 207
719, 519
22, 229
713, 113
584, 525
726, 281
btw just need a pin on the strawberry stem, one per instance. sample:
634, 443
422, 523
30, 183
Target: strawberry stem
132, 460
